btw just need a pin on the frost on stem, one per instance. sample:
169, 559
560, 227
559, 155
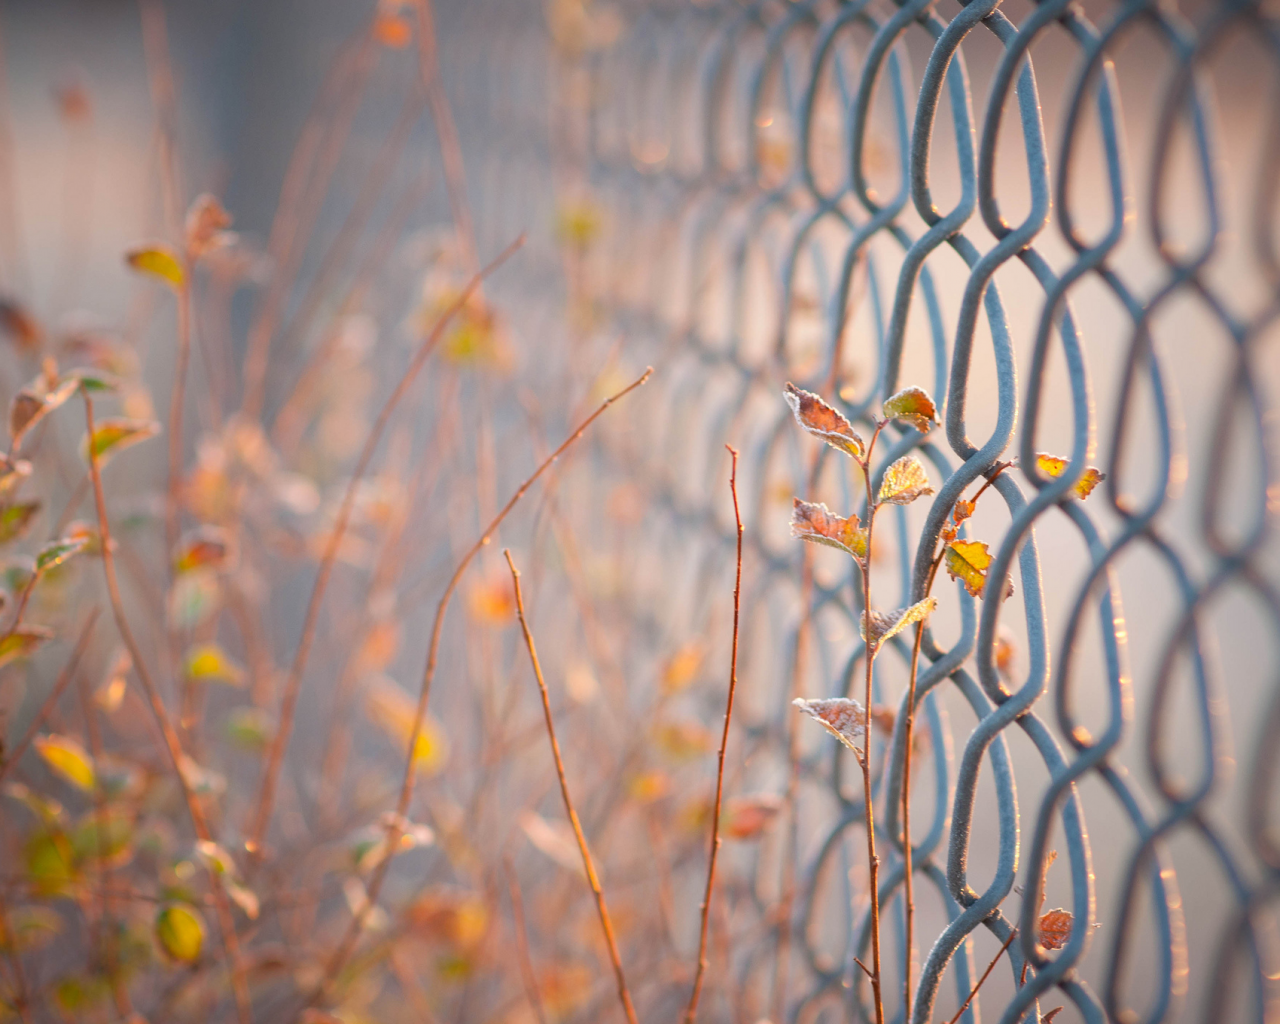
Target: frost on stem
843, 717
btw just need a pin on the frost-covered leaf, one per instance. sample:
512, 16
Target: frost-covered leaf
34, 402
14, 519
824, 422
1055, 928
23, 642
115, 434
1052, 466
53, 555
967, 561
886, 625
66, 757
209, 663
904, 481
914, 406
843, 717
158, 261
813, 522
180, 932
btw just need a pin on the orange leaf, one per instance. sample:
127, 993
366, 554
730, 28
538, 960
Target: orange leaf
824, 422
813, 522
1055, 928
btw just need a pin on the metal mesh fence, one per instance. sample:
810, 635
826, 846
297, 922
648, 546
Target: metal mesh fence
1061, 220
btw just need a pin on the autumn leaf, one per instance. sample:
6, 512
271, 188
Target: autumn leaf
962, 510
1055, 928
34, 402
180, 932
813, 522
824, 422
20, 326
66, 757
23, 642
14, 519
393, 711
683, 668
914, 406
209, 663
12, 473
886, 625
114, 434
1052, 466
904, 481
208, 547
54, 554
746, 817
206, 226
967, 561
843, 717
159, 261
194, 597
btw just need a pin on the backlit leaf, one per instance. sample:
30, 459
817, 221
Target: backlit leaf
14, 519
116, 433
180, 932
967, 561
1052, 466
824, 422
158, 261
886, 625
843, 717
209, 663
66, 757
53, 555
23, 642
1055, 928
813, 522
914, 406
904, 481
393, 711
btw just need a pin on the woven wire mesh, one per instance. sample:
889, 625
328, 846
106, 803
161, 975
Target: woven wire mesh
862, 196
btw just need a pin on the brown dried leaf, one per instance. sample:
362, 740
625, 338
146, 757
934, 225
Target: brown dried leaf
813, 522
824, 422
886, 625
843, 717
746, 817
1052, 466
1055, 928
967, 561
914, 406
962, 510
904, 481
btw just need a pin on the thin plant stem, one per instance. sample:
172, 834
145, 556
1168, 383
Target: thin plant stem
990, 967
522, 943
691, 1014
293, 683
588, 865
873, 862
172, 743
46, 708
347, 944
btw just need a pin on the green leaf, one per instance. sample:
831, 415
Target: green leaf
180, 932
23, 642
53, 555
159, 261
50, 861
249, 728
886, 625
115, 434
14, 519
88, 379
66, 757
904, 481
915, 406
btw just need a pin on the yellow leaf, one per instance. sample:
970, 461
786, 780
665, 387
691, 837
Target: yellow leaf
180, 932
967, 561
813, 522
66, 757
158, 261
209, 663
23, 642
914, 406
823, 422
843, 717
683, 668
1052, 466
886, 625
393, 711
115, 434
904, 481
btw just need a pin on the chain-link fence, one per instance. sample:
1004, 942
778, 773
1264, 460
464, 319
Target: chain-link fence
1061, 220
